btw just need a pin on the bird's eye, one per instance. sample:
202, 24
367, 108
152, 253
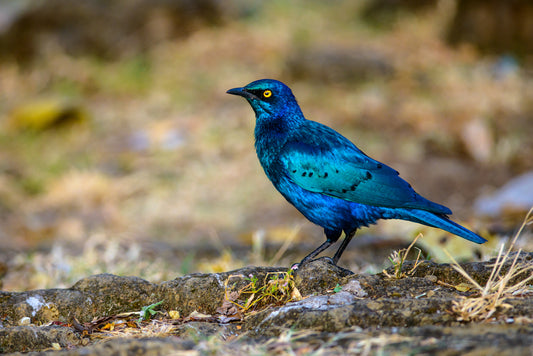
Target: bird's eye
267, 93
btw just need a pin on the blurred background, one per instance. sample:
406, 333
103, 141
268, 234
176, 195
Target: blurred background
120, 151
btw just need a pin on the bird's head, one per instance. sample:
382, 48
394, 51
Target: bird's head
268, 97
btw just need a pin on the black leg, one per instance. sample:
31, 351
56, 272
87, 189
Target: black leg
343, 245
331, 237
313, 254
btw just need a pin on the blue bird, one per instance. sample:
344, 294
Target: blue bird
326, 177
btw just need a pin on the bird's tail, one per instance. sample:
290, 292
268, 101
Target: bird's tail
444, 223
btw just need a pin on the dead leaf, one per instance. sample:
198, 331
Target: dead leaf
108, 326
197, 315
174, 314
295, 294
463, 287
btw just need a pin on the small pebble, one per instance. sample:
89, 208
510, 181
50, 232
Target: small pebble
25, 321
431, 278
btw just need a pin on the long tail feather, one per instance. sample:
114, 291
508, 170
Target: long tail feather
444, 223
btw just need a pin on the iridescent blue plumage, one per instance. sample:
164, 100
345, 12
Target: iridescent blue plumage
326, 177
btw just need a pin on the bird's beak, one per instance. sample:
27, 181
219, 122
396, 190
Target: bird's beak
242, 92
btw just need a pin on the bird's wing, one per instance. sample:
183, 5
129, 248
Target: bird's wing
341, 170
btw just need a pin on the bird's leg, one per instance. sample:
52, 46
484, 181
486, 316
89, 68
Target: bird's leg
343, 245
331, 237
313, 254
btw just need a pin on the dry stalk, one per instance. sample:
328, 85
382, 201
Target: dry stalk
498, 287
397, 259
278, 288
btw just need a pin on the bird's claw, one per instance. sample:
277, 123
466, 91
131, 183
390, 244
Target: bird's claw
328, 260
297, 266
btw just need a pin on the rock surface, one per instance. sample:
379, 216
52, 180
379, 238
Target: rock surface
339, 312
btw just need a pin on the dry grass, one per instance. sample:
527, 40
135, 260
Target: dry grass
312, 342
60, 268
275, 290
499, 286
397, 258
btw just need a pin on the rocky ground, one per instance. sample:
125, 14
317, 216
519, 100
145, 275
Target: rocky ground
419, 307
122, 155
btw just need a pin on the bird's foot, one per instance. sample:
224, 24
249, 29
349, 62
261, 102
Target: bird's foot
329, 260
295, 266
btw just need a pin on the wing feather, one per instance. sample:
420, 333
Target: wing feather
334, 166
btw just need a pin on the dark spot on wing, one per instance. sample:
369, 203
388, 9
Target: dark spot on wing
310, 174
353, 187
325, 174
304, 174
344, 190
380, 165
294, 171
368, 175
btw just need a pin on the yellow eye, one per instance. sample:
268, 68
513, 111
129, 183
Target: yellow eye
267, 93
